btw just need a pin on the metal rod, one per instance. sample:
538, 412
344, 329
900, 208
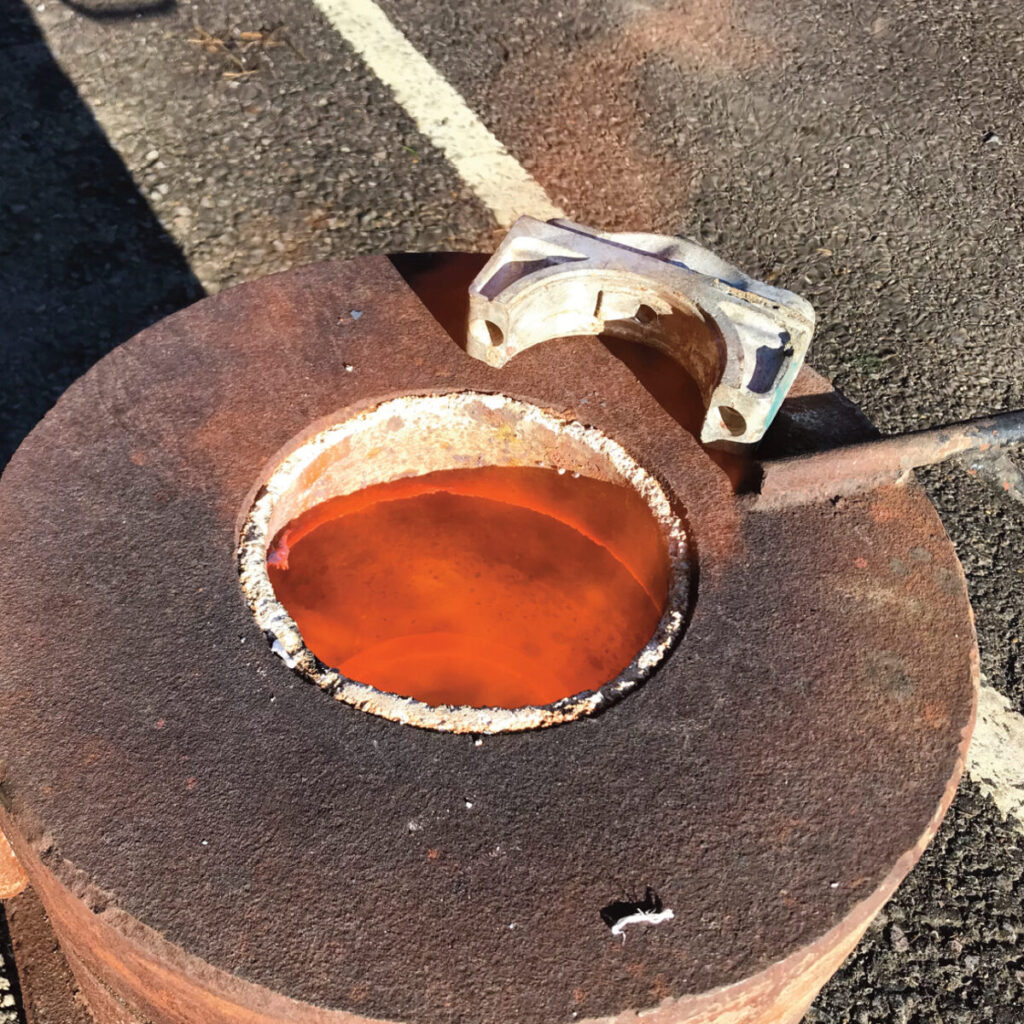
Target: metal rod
842, 471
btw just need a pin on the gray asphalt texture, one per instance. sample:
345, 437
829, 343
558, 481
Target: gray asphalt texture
869, 156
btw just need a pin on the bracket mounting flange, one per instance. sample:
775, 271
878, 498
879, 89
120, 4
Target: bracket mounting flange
741, 340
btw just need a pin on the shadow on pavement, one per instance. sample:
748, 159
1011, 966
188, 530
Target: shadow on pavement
103, 10
84, 263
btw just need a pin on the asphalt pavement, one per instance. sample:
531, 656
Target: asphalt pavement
868, 155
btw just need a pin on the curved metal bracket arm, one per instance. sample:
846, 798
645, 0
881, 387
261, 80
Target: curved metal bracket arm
742, 341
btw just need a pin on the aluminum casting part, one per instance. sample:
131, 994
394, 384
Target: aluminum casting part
844, 471
218, 843
451, 431
742, 341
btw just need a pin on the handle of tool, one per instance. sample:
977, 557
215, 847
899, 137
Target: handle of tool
803, 479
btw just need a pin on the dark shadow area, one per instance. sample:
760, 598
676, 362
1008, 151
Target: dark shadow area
666, 381
441, 282
46, 990
814, 423
677, 393
103, 10
84, 263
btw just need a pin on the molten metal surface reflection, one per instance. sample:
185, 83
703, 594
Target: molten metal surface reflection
493, 587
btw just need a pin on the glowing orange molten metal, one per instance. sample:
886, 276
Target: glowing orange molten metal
493, 587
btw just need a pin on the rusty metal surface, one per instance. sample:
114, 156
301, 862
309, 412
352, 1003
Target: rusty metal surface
12, 876
217, 840
49, 991
857, 467
742, 341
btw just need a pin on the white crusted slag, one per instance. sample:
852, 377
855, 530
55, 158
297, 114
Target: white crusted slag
459, 435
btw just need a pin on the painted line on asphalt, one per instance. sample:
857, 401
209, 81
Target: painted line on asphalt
441, 114
995, 758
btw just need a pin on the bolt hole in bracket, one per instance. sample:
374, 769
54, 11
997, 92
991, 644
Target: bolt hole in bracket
743, 342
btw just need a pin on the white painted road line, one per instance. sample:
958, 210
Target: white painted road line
995, 759
483, 163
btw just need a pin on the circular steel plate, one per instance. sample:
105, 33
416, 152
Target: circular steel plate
215, 839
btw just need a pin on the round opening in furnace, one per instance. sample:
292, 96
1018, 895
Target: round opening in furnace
466, 562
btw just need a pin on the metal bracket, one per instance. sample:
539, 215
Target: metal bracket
742, 341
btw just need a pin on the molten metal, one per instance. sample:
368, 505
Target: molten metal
493, 587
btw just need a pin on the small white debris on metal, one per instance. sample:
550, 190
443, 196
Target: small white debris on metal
278, 648
640, 917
